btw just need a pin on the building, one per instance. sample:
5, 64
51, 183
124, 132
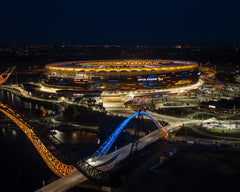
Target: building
222, 106
121, 76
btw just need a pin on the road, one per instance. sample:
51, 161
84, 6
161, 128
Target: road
173, 122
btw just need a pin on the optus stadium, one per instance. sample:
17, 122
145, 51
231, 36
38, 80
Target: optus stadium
121, 76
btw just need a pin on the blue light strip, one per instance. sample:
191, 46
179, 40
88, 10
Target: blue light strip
108, 143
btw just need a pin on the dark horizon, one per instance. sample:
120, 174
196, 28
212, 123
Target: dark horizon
125, 22
162, 43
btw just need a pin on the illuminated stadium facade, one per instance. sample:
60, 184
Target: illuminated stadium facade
118, 76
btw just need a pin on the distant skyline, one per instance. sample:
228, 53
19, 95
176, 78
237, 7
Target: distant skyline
106, 22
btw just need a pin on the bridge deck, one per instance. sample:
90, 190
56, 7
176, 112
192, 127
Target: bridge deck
64, 183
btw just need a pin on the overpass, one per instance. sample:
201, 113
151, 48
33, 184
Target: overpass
96, 167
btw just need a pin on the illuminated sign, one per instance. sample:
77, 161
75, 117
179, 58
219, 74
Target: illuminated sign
181, 82
147, 79
212, 106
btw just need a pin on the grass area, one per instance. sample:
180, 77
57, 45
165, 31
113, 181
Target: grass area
176, 112
207, 115
204, 116
225, 131
189, 132
234, 117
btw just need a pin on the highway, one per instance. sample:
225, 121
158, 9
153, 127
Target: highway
173, 122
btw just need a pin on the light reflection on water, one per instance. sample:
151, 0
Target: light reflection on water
34, 109
31, 107
14, 132
4, 131
76, 137
19, 159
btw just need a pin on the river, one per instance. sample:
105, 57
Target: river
22, 167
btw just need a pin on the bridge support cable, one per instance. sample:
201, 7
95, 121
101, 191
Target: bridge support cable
108, 143
134, 146
110, 140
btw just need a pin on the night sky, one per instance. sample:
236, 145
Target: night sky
119, 21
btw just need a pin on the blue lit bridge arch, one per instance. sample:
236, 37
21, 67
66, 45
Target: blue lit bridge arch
108, 143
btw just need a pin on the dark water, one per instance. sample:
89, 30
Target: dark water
31, 108
22, 168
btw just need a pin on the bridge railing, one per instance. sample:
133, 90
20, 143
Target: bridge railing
93, 174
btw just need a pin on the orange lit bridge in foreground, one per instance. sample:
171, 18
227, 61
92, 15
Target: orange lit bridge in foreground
97, 175
5, 75
53, 163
